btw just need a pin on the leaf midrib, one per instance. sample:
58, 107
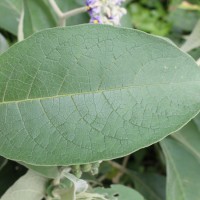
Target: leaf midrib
95, 92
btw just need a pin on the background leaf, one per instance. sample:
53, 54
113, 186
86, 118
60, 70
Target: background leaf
183, 163
9, 15
37, 16
183, 20
150, 185
31, 186
91, 92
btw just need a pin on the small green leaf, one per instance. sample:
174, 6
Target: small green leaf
31, 186
85, 93
183, 163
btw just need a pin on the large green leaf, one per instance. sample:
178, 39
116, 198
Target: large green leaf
91, 92
10, 14
31, 186
183, 164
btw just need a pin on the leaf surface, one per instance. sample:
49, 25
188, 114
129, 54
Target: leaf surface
92, 92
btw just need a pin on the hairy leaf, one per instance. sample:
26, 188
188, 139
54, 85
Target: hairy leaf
31, 186
92, 92
183, 164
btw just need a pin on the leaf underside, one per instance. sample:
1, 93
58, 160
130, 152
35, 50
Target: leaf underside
92, 92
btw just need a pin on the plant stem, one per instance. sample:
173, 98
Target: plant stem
116, 179
119, 167
20, 32
56, 8
198, 62
64, 16
75, 12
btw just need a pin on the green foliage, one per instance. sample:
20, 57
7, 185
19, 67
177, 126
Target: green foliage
75, 95
150, 20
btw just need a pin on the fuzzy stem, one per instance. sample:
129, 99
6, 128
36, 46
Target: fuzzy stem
56, 8
64, 16
75, 12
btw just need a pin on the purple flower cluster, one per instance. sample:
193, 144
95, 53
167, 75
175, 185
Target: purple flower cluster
105, 11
